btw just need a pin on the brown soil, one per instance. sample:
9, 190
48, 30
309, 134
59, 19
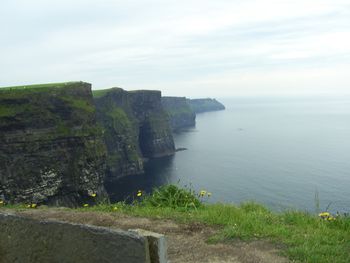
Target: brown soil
186, 242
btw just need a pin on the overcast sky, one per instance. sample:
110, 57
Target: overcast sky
190, 48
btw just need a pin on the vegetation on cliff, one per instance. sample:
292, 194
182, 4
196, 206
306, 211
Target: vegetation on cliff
180, 112
51, 150
120, 133
136, 126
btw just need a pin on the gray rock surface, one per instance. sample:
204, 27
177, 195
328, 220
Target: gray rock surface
180, 112
136, 127
51, 150
157, 245
24, 240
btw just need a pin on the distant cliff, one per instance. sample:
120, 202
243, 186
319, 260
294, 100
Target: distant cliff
51, 150
204, 105
136, 126
180, 112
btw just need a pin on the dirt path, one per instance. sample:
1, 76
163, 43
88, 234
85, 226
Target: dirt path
186, 242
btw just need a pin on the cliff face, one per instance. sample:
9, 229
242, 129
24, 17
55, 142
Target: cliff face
204, 105
136, 126
51, 150
180, 112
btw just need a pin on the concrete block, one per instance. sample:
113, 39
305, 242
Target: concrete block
157, 245
24, 240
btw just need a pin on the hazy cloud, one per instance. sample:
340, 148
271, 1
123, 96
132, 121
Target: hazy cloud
193, 48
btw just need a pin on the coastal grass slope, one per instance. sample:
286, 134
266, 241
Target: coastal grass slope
48, 86
301, 236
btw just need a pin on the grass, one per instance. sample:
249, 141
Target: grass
6, 111
303, 237
102, 92
39, 86
81, 104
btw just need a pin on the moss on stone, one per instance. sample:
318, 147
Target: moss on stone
6, 111
80, 104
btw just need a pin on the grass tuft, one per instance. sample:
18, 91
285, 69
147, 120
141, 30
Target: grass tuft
172, 196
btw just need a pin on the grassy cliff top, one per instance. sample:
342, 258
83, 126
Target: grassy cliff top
102, 92
42, 87
54, 105
177, 105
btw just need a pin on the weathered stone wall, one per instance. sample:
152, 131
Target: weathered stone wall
24, 240
51, 150
180, 112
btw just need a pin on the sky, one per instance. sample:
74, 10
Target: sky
204, 48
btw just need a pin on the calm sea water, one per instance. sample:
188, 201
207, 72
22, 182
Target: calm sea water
279, 152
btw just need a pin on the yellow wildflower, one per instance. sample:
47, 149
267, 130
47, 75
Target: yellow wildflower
202, 193
115, 208
94, 195
324, 214
1, 202
33, 205
85, 205
139, 193
28, 206
209, 194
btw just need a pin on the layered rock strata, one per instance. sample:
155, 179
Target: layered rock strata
51, 150
135, 127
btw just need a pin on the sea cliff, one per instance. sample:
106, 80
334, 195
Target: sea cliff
180, 112
204, 105
61, 144
51, 150
136, 127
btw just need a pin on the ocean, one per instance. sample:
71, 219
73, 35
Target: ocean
286, 153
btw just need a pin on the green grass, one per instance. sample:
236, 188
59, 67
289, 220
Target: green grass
102, 92
80, 104
39, 86
303, 237
171, 196
6, 111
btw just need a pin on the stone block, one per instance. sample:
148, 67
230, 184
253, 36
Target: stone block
24, 240
157, 245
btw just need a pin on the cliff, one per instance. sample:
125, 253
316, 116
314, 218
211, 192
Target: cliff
180, 112
136, 127
204, 105
51, 150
